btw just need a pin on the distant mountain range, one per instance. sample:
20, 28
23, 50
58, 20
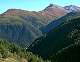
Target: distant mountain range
25, 26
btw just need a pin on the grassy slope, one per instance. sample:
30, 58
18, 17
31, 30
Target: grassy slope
25, 30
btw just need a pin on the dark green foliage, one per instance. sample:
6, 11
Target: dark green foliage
3, 49
69, 54
65, 34
8, 49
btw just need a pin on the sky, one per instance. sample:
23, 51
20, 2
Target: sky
33, 5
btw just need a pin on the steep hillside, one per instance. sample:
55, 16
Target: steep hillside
69, 54
24, 26
60, 20
21, 25
14, 28
65, 34
10, 52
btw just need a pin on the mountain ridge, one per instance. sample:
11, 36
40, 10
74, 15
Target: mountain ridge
28, 22
62, 36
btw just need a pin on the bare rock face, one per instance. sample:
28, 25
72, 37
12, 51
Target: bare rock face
54, 11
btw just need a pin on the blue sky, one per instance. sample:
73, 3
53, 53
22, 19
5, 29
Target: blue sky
33, 5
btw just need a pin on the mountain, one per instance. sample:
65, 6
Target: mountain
58, 21
59, 37
14, 28
20, 26
25, 15
46, 15
24, 26
54, 11
72, 8
60, 25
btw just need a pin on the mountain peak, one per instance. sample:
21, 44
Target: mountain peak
52, 6
54, 10
72, 8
